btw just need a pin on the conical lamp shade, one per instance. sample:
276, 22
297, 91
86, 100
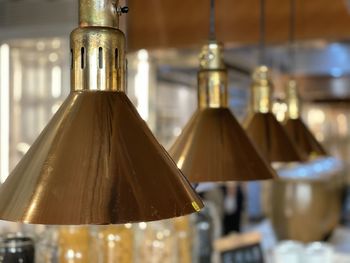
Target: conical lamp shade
295, 126
213, 147
264, 130
303, 138
272, 139
96, 162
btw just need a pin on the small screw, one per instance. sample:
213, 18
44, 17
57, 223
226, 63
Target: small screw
122, 10
125, 9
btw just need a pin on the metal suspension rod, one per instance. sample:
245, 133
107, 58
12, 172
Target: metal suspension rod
262, 32
291, 44
212, 33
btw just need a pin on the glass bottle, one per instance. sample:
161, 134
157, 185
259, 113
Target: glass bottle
113, 243
16, 249
208, 228
74, 244
184, 235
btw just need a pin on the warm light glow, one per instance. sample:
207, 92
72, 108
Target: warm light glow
181, 162
56, 84
303, 193
56, 43
40, 45
142, 84
53, 57
4, 110
128, 225
280, 108
316, 117
22, 147
177, 131
17, 77
55, 107
342, 124
143, 225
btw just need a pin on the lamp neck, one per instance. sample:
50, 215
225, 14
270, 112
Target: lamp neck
293, 101
98, 61
98, 13
261, 91
212, 77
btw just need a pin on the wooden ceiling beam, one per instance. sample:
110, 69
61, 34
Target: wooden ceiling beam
173, 23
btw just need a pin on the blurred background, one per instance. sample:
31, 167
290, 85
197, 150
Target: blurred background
164, 40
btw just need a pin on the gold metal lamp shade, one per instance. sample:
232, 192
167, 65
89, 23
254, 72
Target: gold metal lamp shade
96, 162
262, 126
213, 147
295, 126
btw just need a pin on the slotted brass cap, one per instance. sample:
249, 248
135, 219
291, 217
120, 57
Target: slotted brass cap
263, 129
213, 147
96, 162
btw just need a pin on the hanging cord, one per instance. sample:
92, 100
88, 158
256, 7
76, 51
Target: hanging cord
262, 32
291, 44
212, 33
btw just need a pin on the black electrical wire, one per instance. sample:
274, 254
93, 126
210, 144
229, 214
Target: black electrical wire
212, 33
262, 32
291, 44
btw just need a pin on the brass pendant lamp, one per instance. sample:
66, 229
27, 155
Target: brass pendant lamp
262, 126
294, 125
96, 162
213, 147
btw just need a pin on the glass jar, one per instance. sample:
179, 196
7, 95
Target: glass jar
184, 234
16, 249
208, 228
113, 243
156, 242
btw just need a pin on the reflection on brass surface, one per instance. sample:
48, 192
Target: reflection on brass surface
306, 210
211, 89
303, 138
98, 59
295, 126
271, 138
261, 90
262, 126
211, 56
213, 146
98, 13
293, 100
212, 77
96, 162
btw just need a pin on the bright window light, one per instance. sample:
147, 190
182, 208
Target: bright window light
4, 110
142, 84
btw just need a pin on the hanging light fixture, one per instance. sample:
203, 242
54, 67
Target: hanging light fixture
294, 125
213, 147
261, 125
96, 162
